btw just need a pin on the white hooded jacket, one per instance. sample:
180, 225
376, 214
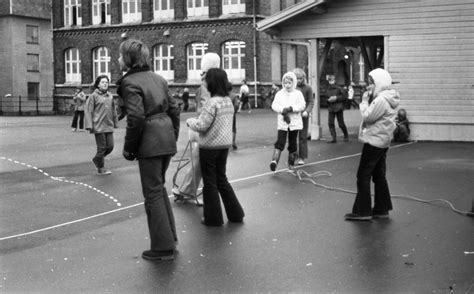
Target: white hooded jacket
378, 118
284, 99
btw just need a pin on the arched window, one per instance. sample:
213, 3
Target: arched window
72, 63
233, 55
163, 61
101, 60
131, 11
163, 9
72, 13
198, 7
233, 6
195, 52
100, 11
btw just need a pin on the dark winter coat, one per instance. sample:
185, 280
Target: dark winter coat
152, 114
338, 105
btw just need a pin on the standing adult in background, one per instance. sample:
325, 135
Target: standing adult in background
309, 99
336, 99
79, 99
214, 125
236, 102
101, 119
151, 135
185, 98
376, 132
244, 96
192, 178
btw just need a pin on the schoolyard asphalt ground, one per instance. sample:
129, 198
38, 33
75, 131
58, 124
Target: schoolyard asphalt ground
64, 229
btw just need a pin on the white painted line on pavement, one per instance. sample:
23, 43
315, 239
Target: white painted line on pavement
170, 196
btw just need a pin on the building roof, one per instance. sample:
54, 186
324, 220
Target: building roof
288, 13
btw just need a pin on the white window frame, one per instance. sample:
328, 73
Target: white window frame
131, 11
69, 6
233, 6
195, 52
101, 62
197, 7
163, 58
72, 65
97, 13
361, 68
163, 9
233, 56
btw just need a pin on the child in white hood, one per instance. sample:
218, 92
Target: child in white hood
376, 131
288, 103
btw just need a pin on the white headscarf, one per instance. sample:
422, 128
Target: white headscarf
292, 76
382, 80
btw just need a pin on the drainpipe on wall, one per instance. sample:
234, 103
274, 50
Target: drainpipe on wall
254, 54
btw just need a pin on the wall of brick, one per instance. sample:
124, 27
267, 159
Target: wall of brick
37, 8
215, 31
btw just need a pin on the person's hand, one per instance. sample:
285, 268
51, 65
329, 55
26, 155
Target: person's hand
304, 114
286, 118
365, 96
332, 99
129, 156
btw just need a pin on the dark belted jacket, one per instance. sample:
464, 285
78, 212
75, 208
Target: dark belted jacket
152, 114
340, 93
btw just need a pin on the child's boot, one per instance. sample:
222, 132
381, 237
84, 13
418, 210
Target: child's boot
275, 159
333, 135
291, 160
346, 134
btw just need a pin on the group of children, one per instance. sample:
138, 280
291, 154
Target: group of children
381, 122
293, 109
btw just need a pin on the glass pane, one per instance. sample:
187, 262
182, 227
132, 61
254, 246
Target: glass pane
165, 65
157, 65
235, 62
102, 67
73, 54
68, 68
171, 4
190, 3
198, 63
164, 51
74, 67
132, 6
198, 3
66, 16
226, 63
125, 8
171, 64
164, 4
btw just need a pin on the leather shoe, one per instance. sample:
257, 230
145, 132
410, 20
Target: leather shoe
203, 221
158, 255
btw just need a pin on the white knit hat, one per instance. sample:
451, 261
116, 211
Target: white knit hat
210, 60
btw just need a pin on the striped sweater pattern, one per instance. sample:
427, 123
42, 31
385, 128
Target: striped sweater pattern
214, 124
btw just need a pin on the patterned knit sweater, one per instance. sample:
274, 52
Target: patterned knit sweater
214, 124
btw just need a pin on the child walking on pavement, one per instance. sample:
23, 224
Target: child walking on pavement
101, 119
336, 99
288, 103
